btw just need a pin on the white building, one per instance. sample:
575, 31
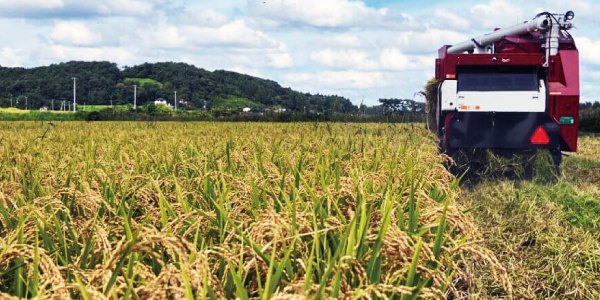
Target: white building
247, 109
162, 101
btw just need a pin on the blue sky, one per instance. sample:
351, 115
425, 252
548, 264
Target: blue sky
372, 49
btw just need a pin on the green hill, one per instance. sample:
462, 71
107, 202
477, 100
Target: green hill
99, 83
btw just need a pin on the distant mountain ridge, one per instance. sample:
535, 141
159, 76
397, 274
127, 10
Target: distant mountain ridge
99, 83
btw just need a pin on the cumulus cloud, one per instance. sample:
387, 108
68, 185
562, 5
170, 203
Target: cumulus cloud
393, 59
200, 17
592, 90
347, 40
448, 20
74, 33
344, 59
428, 41
340, 79
588, 50
235, 33
30, 4
77, 9
327, 13
248, 59
164, 36
232, 35
12, 57
584, 9
281, 60
496, 13
390, 59
62, 53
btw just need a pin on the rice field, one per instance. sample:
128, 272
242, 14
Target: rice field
134, 210
233, 210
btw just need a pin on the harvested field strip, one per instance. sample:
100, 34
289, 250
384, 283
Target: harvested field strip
545, 232
214, 210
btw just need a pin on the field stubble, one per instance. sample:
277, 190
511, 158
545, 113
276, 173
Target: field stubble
223, 210
545, 229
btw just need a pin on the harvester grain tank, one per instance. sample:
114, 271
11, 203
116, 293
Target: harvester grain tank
515, 88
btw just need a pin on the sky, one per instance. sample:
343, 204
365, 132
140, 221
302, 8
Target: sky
362, 50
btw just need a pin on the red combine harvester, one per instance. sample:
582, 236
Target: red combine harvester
516, 88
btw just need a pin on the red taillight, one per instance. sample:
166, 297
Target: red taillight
540, 137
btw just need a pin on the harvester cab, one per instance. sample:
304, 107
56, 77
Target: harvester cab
514, 88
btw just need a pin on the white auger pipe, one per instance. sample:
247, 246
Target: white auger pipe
538, 24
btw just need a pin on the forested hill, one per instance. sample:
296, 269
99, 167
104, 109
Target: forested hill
99, 83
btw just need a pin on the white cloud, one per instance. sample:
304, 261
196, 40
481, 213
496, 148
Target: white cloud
38, 9
126, 7
235, 33
340, 79
74, 33
252, 59
590, 92
327, 13
344, 59
12, 57
282, 60
165, 36
390, 59
393, 59
588, 50
61, 53
230, 37
201, 17
347, 40
497, 13
30, 4
594, 75
582, 8
447, 20
428, 41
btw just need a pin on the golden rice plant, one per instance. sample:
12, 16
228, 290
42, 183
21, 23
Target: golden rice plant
431, 96
131, 210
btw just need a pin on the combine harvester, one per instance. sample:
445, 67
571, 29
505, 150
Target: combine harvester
515, 89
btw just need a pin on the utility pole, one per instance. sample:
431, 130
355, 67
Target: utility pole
175, 100
11, 100
26, 103
52, 104
74, 94
134, 96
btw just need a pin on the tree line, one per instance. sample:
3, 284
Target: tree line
589, 120
103, 83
